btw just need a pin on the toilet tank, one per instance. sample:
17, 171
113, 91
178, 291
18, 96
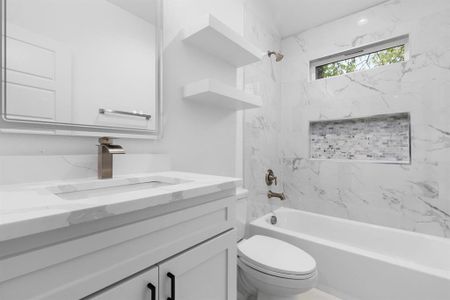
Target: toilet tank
241, 212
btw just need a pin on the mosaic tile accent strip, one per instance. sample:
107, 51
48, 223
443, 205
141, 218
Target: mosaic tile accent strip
382, 138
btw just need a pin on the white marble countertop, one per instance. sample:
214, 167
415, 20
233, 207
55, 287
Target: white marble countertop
27, 209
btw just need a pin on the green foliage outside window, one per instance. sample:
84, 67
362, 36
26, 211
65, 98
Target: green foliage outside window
363, 62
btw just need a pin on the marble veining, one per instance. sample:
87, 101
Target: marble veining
56, 167
27, 209
262, 125
412, 196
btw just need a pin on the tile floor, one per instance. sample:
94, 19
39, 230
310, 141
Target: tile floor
316, 294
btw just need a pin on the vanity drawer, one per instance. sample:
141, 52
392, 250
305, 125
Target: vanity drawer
142, 286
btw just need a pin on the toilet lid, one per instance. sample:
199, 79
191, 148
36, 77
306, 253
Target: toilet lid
275, 255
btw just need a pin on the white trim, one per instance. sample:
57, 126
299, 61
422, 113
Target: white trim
359, 51
239, 149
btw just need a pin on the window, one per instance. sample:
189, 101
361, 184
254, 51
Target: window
360, 59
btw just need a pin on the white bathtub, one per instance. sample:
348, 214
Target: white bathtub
362, 261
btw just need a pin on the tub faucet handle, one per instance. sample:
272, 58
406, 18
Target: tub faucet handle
271, 178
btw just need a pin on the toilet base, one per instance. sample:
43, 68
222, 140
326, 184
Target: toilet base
255, 285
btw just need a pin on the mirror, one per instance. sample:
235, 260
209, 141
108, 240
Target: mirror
82, 65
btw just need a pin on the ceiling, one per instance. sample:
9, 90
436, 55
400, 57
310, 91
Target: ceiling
145, 9
293, 16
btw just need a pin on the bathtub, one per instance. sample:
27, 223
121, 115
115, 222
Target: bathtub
360, 261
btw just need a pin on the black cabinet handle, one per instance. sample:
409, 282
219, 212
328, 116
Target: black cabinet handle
172, 286
152, 289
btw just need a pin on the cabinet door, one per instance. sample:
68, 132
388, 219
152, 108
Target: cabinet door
206, 272
142, 286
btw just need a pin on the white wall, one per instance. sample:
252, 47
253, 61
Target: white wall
200, 137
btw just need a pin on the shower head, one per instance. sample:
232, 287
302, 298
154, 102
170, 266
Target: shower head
278, 55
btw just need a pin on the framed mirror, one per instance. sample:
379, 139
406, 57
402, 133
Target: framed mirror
82, 67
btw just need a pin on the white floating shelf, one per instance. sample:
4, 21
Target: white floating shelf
216, 93
218, 39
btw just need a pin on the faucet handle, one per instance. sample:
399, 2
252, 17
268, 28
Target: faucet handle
105, 140
270, 177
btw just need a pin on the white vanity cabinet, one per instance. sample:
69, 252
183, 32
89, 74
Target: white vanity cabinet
206, 271
118, 256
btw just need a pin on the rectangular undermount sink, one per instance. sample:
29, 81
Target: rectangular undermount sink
100, 188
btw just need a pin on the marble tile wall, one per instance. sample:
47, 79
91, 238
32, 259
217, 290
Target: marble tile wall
376, 139
414, 197
262, 125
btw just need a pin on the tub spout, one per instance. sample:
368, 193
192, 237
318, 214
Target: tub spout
271, 194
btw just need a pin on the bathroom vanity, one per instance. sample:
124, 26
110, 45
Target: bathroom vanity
145, 236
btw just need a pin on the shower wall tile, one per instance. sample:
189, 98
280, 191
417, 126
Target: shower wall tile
413, 197
262, 125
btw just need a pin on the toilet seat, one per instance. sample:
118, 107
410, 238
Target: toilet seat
276, 258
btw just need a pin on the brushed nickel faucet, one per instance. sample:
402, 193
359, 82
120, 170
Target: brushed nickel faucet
271, 194
270, 178
105, 157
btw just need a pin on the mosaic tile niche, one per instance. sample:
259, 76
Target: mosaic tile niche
381, 138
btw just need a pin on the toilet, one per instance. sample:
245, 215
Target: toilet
269, 268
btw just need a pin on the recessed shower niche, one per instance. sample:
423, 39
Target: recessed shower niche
380, 138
